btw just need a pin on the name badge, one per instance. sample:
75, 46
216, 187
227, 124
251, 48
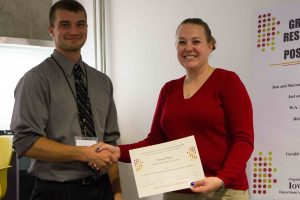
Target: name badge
85, 141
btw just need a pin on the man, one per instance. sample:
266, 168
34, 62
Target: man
65, 119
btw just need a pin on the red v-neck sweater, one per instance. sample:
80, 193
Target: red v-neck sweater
220, 117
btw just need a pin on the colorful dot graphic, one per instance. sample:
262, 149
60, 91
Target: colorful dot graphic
192, 153
266, 31
263, 172
138, 164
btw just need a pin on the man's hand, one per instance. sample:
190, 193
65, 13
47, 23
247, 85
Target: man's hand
101, 156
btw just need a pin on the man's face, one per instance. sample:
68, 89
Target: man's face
69, 31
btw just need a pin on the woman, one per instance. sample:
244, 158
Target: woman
213, 105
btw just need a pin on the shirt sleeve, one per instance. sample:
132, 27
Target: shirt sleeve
239, 118
155, 136
30, 112
111, 133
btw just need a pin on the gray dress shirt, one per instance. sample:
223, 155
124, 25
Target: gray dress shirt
46, 107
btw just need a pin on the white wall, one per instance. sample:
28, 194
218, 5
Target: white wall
142, 57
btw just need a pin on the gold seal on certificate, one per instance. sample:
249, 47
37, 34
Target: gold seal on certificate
166, 167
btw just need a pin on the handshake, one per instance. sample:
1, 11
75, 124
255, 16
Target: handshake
101, 156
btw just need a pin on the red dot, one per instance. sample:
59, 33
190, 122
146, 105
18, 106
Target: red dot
264, 186
264, 25
273, 33
259, 16
254, 186
273, 28
263, 40
265, 170
259, 180
259, 21
254, 175
268, 34
254, 180
264, 191
259, 191
268, 39
264, 20
259, 164
264, 15
269, 175
265, 164
259, 31
259, 26
255, 159
278, 22
254, 191
263, 44
269, 19
269, 14
259, 186
270, 169
274, 180
260, 159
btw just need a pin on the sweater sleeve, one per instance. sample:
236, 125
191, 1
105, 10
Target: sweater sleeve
155, 136
239, 118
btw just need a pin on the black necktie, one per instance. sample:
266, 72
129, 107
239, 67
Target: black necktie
83, 103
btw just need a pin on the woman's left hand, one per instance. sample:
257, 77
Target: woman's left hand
209, 184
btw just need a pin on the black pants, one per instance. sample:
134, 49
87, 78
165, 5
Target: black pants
89, 189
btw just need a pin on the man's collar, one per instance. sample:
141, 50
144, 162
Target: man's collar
66, 64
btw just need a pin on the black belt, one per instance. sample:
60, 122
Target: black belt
84, 181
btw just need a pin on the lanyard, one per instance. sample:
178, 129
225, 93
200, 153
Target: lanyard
86, 78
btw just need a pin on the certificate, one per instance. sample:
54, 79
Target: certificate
166, 167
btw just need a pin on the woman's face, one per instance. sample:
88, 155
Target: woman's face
192, 46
